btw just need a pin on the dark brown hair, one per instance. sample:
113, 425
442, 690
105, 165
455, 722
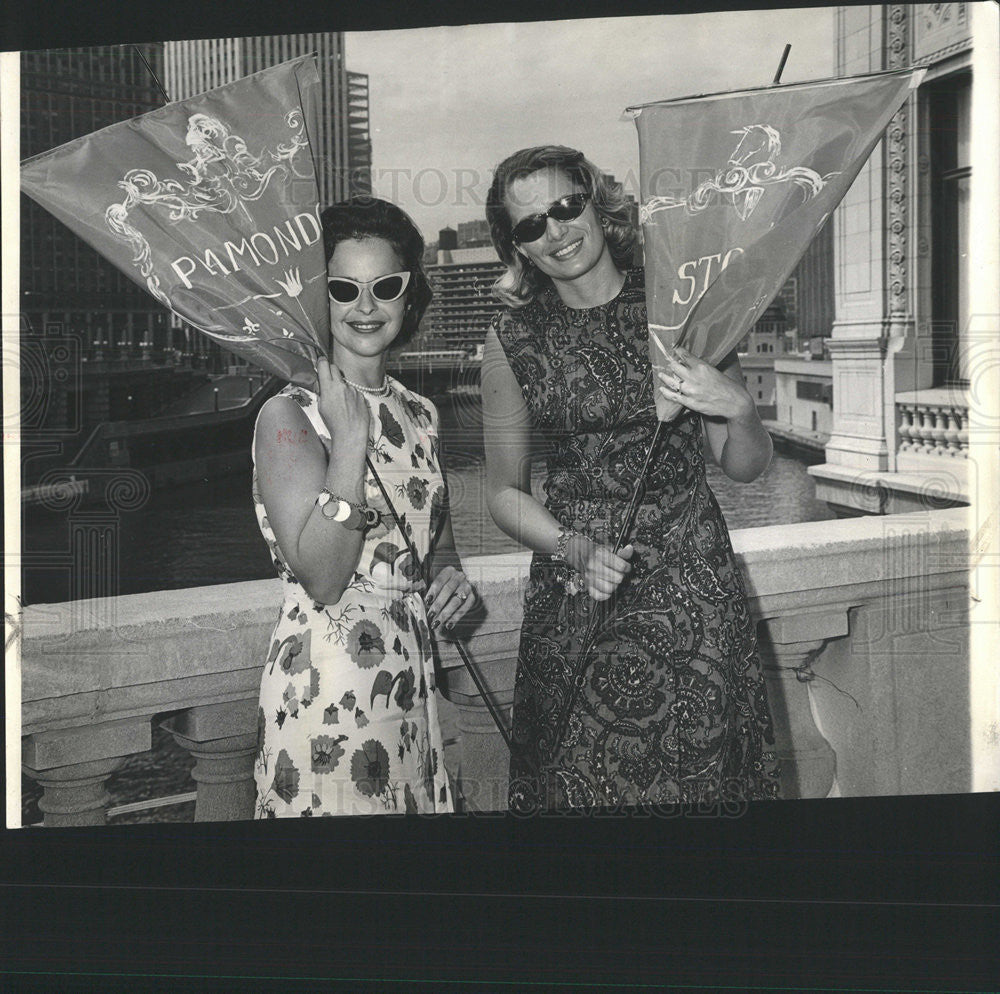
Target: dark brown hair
368, 217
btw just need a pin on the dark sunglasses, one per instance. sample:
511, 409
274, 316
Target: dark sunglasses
384, 288
532, 227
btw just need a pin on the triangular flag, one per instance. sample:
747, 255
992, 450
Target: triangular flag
212, 205
734, 187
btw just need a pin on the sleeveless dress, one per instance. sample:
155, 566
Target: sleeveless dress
348, 721
672, 704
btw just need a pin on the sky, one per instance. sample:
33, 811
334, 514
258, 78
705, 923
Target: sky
448, 103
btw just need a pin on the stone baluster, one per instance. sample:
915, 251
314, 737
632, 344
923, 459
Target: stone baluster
938, 430
918, 429
914, 427
917, 432
223, 740
950, 431
72, 765
483, 775
808, 762
962, 423
906, 428
926, 429
74, 795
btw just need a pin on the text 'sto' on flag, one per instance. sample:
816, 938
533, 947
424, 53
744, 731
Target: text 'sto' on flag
212, 205
734, 187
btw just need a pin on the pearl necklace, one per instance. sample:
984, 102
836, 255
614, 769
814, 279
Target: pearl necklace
379, 391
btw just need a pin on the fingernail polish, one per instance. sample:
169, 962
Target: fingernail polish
437, 624
449, 625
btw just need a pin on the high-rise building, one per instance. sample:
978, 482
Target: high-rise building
195, 66
359, 142
66, 287
95, 346
459, 315
474, 234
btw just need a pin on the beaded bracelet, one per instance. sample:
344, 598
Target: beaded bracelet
562, 543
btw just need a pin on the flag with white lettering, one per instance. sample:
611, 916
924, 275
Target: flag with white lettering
212, 205
734, 186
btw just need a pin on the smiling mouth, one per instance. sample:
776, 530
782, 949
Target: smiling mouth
366, 326
568, 250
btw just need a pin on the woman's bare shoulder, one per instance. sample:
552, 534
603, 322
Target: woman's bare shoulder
282, 419
282, 408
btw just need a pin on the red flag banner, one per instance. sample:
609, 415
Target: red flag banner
212, 205
733, 188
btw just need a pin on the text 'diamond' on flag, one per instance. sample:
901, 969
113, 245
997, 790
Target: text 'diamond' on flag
211, 204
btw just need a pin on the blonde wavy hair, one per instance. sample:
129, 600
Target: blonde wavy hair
522, 281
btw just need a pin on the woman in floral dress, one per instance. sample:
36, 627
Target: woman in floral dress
348, 720
671, 705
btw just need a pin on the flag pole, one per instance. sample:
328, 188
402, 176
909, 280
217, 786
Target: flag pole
604, 608
781, 64
149, 69
463, 653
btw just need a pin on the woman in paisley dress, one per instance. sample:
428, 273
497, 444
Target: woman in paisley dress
672, 704
348, 721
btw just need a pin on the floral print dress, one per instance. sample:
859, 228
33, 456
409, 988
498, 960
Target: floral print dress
348, 721
672, 704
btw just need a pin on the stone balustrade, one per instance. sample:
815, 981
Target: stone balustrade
933, 423
864, 637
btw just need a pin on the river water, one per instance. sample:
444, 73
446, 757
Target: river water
206, 533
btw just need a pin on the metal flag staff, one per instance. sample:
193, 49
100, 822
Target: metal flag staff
477, 679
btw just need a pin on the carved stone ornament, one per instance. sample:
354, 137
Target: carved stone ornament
940, 30
897, 57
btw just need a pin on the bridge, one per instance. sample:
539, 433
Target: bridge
863, 623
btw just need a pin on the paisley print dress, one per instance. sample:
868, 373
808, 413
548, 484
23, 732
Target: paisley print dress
671, 705
348, 722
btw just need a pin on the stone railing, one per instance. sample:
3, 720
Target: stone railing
932, 423
863, 627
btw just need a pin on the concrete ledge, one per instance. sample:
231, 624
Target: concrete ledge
956, 396
886, 597
144, 653
942, 483
826, 555
97, 649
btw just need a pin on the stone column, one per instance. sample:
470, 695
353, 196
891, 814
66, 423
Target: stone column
75, 795
858, 438
808, 762
73, 764
873, 331
223, 740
